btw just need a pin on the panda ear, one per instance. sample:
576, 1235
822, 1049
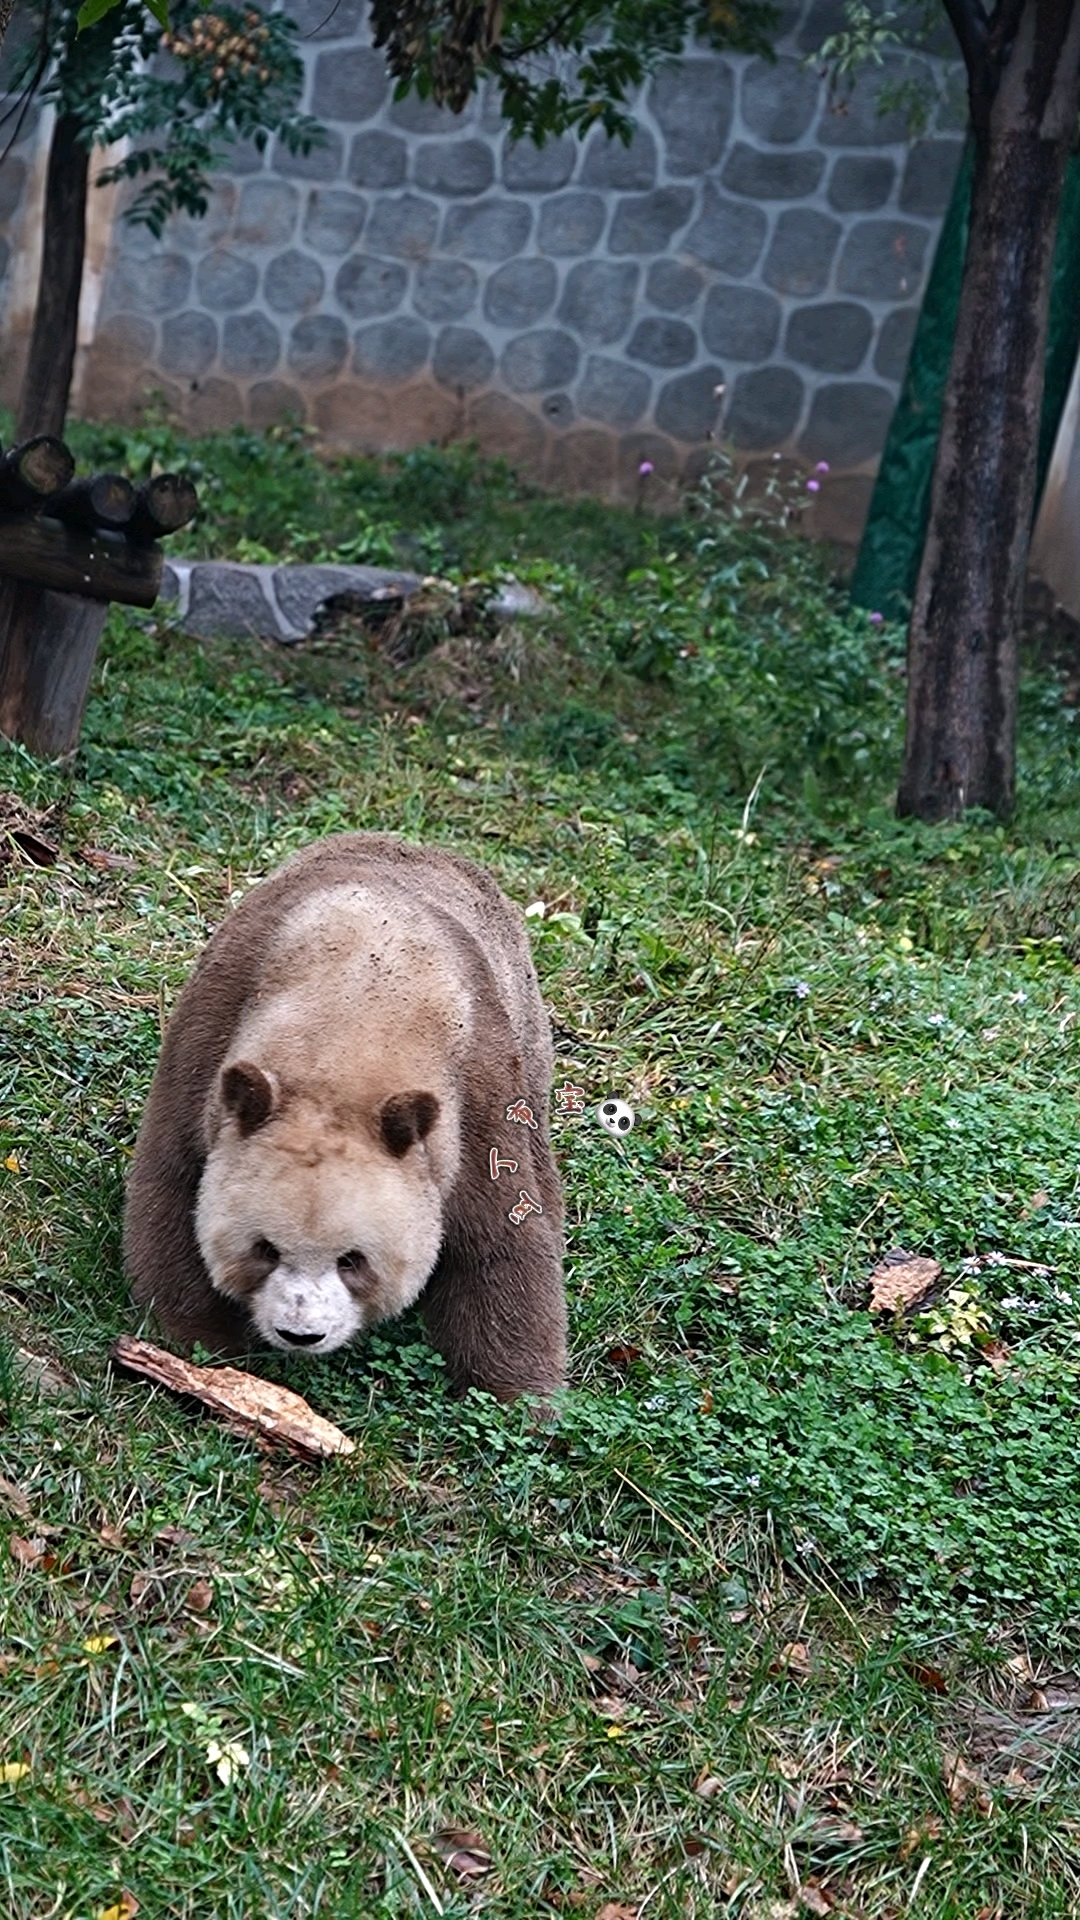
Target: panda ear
406, 1118
249, 1094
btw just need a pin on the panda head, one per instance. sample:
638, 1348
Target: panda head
321, 1220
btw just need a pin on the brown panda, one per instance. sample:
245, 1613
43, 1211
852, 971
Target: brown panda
349, 1111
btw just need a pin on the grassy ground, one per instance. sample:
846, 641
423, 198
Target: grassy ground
781, 1619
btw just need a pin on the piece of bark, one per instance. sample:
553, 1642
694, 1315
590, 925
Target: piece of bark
244, 1402
900, 1280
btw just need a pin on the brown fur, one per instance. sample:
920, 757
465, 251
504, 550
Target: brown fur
494, 1303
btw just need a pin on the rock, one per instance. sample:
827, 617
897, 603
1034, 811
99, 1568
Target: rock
405, 225
831, 338
444, 289
646, 222
454, 167
250, 344
571, 223
742, 322
321, 162
229, 599
848, 423
801, 251
582, 461
423, 116
463, 359
894, 342
267, 215
225, 281
692, 104
293, 282
857, 183
929, 177
520, 293
378, 160
369, 288
728, 234
772, 176
157, 285
493, 229
673, 286
608, 163
301, 591
334, 219
501, 427
391, 350
882, 260
318, 345
598, 300
779, 99
349, 84
688, 407
543, 358
765, 407
852, 119
527, 168
188, 343
662, 342
273, 402
612, 392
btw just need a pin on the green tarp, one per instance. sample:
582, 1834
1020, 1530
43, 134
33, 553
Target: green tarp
892, 543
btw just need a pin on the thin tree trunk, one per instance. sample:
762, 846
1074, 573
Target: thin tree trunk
47, 384
960, 747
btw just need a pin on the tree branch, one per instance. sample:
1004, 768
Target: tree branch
969, 23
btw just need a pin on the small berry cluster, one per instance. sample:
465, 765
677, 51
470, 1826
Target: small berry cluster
226, 49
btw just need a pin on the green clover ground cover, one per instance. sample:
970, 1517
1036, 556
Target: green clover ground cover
714, 1644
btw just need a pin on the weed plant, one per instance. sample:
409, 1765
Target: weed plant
779, 1618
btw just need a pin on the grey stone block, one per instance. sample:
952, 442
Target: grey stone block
646, 222
853, 120
520, 293
571, 223
558, 408
894, 342
227, 598
848, 423
463, 359
831, 338
405, 225
824, 18
444, 289
608, 163
246, 156
729, 234
772, 176
378, 160
882, 260
350, 84
188, 343
454, 167
741, 322
158, 285
860, 183
293, 283
662, 342
391, 349
250, 344
663, 457
327, 19
779, 100
527, 168
226, 281
929, 176
334, 219
125, 336
765, 407
801, 251
492, 229
613, 393
322, 161
535, 361
196, 235
688, 407
267, 214
673, 286
301, 591
318, 345
272, 402
368, 288
423, 116
598, 300
692, 104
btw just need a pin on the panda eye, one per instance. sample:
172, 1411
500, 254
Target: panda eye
352, 1262
266, 1250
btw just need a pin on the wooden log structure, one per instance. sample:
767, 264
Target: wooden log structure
67, 548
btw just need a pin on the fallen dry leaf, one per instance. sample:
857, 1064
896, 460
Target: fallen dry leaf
123, 1909
995, 1355
108, 862
963, 1785
814, 1898
15, 1498
244, 1402
12, 1771
929, 1677
465, 1853
615, 1910
921, 1835
900, 1279
111, 1536
707, 1784
28, 1553
793, 1658
200, 1596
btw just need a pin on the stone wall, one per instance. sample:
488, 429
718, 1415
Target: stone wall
749, 267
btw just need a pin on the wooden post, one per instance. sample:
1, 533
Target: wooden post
48, 645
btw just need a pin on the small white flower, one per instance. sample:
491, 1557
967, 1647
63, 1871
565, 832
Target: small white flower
936, 1019
802, 990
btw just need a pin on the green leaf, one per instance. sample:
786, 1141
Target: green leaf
94, 10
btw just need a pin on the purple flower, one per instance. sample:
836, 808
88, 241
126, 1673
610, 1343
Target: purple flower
646, 466
822, 467
813, 486
876, 619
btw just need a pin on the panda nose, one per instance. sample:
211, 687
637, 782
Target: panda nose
299, 1339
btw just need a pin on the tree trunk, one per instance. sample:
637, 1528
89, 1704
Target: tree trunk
43, 406
962, 644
